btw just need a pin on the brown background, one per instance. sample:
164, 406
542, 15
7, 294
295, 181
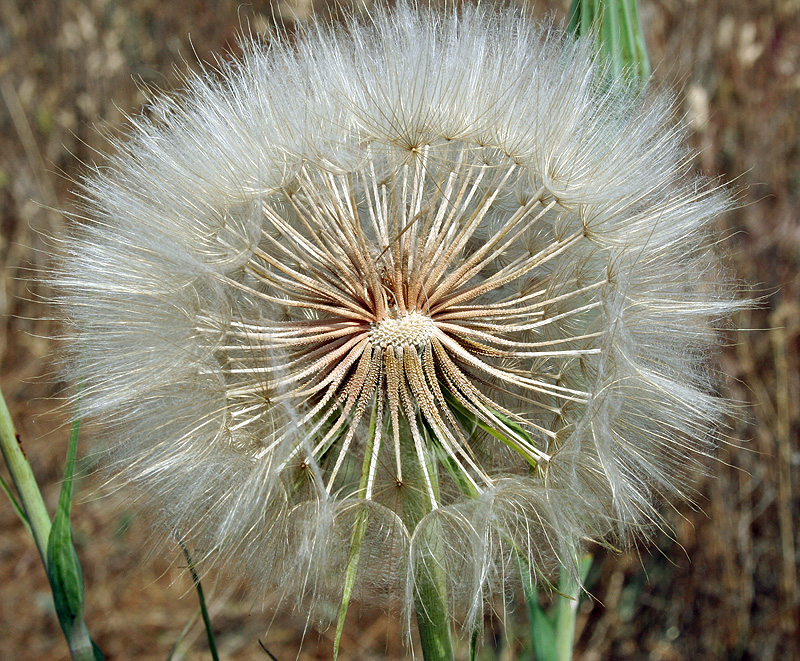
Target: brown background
728, 588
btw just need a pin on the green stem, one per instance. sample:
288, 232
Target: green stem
54, 540
620, 40
566, 610
569, 599
430, 601
24, 480
212, 643
553, 632
431, 608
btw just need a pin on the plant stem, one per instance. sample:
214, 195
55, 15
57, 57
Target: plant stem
431, 608
25, 482
212, 644
430, 600
566, 610
616, 25
567, 607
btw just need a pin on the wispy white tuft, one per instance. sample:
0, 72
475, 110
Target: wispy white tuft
429, 279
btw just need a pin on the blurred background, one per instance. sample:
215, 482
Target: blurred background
723, 586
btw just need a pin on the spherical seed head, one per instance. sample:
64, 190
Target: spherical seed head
458, 304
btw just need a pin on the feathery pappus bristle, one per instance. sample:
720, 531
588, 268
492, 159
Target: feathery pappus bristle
429, 277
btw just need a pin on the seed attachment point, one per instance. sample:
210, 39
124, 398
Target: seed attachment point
412, 329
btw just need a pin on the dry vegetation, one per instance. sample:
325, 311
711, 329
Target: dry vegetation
728, 589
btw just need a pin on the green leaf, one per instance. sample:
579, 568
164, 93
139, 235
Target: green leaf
64, 570
30, 506
469, 420
543, 635
552, 634
543, 628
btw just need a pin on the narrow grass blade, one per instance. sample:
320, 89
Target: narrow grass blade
212, 642
64, 570
553, 633
358, 535
15, 504
543, 629
469, 420
176, 646
473, 644
350, 577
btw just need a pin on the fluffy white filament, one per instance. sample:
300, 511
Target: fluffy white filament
430, 275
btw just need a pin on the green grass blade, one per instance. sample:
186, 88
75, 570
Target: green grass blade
176, 646
543, 634
543, 630
350, 577
359, 529
473, 644
212, 642
15, 504
63, 567
552, 633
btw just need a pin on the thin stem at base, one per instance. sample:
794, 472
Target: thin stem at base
212, 644
25, 482
432, 618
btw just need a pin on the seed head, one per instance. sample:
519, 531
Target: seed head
429, 278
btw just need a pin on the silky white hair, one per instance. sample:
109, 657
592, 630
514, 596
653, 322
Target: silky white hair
430, 276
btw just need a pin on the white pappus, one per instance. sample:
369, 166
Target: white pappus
429, 278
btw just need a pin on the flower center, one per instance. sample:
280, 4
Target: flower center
411, 328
